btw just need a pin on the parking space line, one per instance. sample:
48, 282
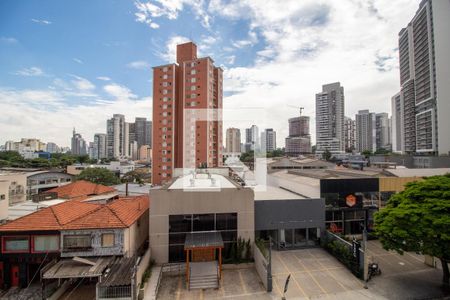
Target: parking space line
276, 285
242, 282
299, 272
298, 285
314, 279
332, 276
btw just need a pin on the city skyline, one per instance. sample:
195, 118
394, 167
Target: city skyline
107, 70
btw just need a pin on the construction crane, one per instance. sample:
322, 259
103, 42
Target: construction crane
299, 107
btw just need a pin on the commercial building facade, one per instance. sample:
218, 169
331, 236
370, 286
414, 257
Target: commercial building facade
187, 114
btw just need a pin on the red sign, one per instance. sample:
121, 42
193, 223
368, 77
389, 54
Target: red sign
350, 200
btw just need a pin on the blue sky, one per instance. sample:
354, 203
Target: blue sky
75, 63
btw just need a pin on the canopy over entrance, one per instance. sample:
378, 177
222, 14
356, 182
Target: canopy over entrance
203, 247
202, 240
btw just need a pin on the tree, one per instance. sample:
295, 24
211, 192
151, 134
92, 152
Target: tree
418, 219
132, 176
99, 176
366, 153
326, 155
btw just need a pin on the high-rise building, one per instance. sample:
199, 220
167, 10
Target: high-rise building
117, 141
269, 140
424, 47
52, 147
233, 140
349, 134
299, 140
187, 114
330, 119
78, 144
142, 132
100, 145
383, 131
299, 126
365, 131
252, 142
92, 150
397, 131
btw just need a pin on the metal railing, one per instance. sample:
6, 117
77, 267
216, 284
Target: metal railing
114, 292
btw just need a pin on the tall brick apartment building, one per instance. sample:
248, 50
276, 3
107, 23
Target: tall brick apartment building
187, 114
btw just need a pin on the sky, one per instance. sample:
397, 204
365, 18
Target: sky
66, 64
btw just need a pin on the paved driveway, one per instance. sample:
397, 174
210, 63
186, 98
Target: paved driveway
403, 276
314, 274
235, 284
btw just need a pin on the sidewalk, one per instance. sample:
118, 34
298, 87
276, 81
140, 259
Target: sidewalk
150, 288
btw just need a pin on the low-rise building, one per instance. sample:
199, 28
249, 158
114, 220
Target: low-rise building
118, 167
68, 230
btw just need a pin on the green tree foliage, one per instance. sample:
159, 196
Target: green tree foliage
418, 219
57, 160
99, 176
326, 155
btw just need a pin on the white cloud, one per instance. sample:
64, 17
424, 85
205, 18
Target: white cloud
8, 40
77, 60
41, 21
138, 65
309, 43
103, 78
170, 53
31, 110
32, 71
119, 92
82, 84
170, 9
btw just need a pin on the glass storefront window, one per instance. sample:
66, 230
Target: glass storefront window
203, 222
226, 221
300, 237
180, 223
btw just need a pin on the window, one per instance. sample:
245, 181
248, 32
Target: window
76, 242
2, 197
165, 69
108, 240
193, 88
165, 84
193, 80
165, 76
16, 244
165, 92
165, 99
193, 72
45, 243
192, 64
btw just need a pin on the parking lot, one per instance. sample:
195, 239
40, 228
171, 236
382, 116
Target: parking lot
314, 274
235, 284
403, 276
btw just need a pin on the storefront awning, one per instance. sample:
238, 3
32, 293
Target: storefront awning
197, 240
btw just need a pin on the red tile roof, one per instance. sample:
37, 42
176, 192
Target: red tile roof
71, 215
81, 188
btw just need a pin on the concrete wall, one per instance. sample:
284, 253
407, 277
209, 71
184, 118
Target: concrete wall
262, 265
136, 235
4, 199
96, 243
176, 202
289, 214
